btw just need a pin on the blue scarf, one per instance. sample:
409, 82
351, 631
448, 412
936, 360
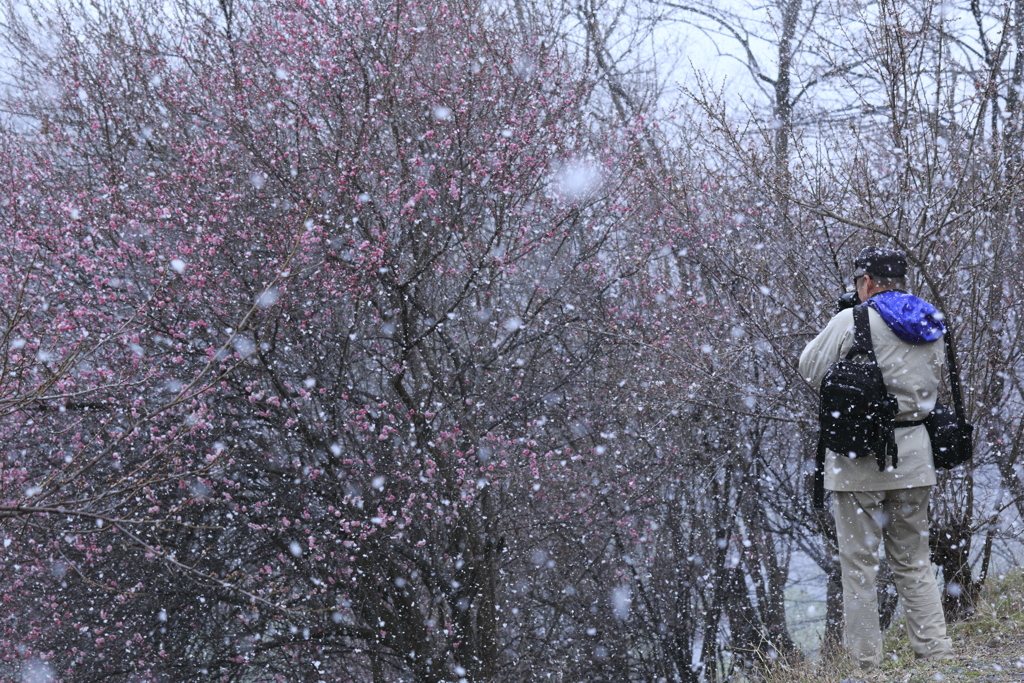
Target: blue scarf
911, 319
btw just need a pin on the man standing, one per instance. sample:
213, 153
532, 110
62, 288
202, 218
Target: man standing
889, 506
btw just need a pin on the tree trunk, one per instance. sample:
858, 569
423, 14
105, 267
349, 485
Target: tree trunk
746, 640
783, 110
951, 550
832, 643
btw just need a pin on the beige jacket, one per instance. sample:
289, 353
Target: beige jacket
912, 373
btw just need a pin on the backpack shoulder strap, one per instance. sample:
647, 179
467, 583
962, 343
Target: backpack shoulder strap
954, 376
862, 335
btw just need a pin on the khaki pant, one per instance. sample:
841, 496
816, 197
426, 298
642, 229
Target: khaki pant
900, 519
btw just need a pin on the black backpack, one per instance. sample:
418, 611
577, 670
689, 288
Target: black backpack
856, 411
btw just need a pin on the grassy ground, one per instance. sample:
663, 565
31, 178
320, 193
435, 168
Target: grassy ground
989, 648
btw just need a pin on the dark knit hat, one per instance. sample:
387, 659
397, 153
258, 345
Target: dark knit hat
881, 262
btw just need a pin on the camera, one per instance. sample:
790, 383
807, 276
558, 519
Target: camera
848, 300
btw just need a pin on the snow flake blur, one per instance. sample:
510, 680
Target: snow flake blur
413, 342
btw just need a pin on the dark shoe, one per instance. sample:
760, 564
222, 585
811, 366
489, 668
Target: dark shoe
940, 657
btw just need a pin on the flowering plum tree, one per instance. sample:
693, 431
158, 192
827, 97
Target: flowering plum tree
317, 331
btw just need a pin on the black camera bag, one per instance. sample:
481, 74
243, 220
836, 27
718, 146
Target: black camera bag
856, 412
949, 430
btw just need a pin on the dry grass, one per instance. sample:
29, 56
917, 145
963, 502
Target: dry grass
989, 648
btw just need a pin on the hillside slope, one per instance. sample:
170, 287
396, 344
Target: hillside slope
989, 647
